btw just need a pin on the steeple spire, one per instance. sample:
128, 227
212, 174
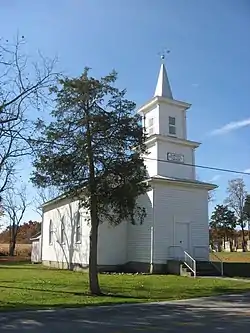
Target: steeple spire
163, 88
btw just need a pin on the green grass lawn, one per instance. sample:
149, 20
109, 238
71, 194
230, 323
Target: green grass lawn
25, 286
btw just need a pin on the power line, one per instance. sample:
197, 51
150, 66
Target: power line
200, 166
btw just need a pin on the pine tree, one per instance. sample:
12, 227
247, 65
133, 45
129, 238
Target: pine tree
247, 212
93, 150
223, 221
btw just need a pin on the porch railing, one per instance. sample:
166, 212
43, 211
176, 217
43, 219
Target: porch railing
176, 252
190, 262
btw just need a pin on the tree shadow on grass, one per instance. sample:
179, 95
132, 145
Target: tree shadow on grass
73, 293
122, 296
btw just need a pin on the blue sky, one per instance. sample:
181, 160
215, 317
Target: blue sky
209, 63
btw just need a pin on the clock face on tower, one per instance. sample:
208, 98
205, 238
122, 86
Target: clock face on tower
176, 158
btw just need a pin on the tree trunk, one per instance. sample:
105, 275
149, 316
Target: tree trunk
236, 242
94, 286
231, 244
243, 238
13, 236
93, 238
11, 243
14, 246
219, 245
12, 249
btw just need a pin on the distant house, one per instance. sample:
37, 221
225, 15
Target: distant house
176, 204
36, 248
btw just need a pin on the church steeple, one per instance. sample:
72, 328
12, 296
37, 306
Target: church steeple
163, 115
164, 120
163, 88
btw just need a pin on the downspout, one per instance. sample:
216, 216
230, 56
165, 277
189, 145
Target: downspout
127, 247
42, 235
152, 239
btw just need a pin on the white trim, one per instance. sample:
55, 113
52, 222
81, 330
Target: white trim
35, 238
173, 139
145, 108
183, 182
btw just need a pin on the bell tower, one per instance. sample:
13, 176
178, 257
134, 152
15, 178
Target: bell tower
171, 154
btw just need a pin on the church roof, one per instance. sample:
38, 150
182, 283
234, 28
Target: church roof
36, 236
163, 88
186, 182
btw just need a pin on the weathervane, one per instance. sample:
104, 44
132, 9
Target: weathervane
163, 54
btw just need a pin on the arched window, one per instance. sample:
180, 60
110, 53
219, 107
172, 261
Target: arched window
50, 232
62, 231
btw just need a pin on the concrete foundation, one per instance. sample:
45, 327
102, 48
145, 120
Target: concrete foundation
130, 267
171, 267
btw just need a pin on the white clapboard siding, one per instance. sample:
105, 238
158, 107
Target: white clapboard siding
112, 241
70, 251
112, 244
139, 234
175, 204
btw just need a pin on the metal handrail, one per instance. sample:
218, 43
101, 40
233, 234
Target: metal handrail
187, 255
221, 263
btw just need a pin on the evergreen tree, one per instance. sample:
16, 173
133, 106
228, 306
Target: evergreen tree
223, 222
93, 150
247, 206
247, 212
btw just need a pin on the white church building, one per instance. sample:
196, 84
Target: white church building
176, 204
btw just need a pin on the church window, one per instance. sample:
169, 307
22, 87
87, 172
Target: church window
50, 232
78, 227
62, 231
171, 126
151, 126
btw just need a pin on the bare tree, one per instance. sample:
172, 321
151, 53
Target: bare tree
23, 90
211, 195
44, 195
236, 200
15, 205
